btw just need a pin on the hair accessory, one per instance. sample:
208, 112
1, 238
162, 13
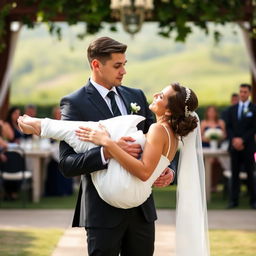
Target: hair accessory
188, 93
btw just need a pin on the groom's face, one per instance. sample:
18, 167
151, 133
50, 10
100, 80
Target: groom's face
111, 72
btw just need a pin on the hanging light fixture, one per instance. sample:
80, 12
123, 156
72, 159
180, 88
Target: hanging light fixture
132, 13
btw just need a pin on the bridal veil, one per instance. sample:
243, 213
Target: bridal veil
191, 210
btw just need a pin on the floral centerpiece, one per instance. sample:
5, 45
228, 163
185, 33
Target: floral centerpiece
213, 134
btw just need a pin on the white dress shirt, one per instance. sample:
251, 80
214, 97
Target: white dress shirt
240, 106
103, 92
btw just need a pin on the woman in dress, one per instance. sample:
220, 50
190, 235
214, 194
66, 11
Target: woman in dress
14, 135
212, 120
174, 109
12, 124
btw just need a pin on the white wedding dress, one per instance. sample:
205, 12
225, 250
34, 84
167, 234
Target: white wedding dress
115, 185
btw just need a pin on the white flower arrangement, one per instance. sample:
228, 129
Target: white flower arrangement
135, 108
213, 134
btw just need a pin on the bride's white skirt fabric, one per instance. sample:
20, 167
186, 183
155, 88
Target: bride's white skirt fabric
114, 185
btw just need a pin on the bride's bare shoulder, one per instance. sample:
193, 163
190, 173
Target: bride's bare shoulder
156, 130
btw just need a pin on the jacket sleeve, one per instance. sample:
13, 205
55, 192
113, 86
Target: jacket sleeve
229, 126
72, 164
249, 134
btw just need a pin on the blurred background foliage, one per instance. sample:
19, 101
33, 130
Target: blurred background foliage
46, 69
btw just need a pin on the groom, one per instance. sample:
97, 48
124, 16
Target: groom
110, 230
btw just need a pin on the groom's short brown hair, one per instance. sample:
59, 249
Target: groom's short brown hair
103, 47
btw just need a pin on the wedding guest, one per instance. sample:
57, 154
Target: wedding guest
234, 99
212, 120
6, 131
3, 145
241, 127
11, 123
30, 110
10, 187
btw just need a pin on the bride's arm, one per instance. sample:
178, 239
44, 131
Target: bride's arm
151, 154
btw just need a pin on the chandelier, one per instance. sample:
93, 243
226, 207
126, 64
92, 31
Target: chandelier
132, 13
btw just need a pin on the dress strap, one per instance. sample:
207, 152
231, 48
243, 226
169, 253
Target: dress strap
169, 140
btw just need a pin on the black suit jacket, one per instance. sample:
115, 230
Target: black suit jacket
86, 104
244, 128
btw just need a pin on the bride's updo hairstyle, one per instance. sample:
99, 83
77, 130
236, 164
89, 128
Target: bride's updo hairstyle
181, 105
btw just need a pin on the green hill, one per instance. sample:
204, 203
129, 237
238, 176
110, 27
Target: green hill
45, 69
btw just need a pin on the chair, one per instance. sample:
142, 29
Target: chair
227, 175
14, 169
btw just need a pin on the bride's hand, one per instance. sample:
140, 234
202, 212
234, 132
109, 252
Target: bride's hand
98, 137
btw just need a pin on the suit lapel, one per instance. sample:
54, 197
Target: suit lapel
126, 97
98, 102
236, 113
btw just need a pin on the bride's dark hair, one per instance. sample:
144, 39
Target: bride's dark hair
180, 104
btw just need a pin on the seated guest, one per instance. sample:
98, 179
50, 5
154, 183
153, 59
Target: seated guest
211, 120
10, 187
3, 146
30, 110
11, 123
6, 131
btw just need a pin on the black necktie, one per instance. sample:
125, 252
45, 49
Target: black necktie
242, 111
115, 109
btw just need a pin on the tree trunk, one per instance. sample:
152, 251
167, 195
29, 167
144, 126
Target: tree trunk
253, 43
4, 56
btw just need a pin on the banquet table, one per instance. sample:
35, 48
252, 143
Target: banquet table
37, 164
37, 152
209, 153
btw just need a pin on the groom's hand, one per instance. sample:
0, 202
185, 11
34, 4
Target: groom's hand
133, 149
165, 178
126, 143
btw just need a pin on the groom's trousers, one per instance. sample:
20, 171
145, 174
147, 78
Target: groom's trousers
132, 237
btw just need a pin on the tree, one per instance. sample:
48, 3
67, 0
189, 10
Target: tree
171, 15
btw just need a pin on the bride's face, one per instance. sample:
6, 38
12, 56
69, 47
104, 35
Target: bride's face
160, 101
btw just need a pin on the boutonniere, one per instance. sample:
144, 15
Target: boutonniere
246, 110
135, 108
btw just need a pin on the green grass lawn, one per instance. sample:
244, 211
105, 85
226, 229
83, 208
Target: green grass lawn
41, 242
28, 242
165, 198
232, 243
63, 202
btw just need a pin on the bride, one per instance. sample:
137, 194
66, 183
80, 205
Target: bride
174, 109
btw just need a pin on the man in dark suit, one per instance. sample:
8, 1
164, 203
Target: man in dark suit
241, 128
110, 230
